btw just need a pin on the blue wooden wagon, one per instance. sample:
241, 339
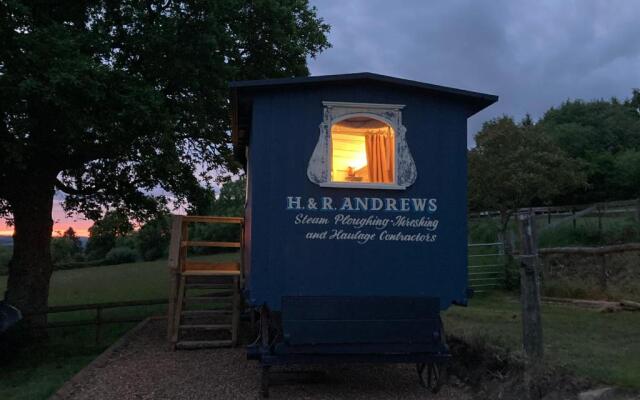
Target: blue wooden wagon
356, 216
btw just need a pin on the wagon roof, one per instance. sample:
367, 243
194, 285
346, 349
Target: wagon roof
487, 99
241, 94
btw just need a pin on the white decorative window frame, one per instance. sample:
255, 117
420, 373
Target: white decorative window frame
319, 169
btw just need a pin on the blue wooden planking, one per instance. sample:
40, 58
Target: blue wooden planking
361, 348
360, 331
284, 134
287, 359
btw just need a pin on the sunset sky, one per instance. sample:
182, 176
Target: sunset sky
61, 223
534, 55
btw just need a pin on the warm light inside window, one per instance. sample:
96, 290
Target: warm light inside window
363, 150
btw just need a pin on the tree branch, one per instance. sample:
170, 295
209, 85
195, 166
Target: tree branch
69, 190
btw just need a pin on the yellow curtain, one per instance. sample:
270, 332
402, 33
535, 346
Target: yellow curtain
380, 153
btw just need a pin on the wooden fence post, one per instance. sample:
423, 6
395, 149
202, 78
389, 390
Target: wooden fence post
98, 324
603, 272
530, 298
600, 212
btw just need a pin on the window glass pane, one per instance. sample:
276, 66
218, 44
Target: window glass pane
363, 150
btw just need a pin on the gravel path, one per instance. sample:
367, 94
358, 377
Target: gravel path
144, 368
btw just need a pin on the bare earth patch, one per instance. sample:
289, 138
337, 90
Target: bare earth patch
142, 367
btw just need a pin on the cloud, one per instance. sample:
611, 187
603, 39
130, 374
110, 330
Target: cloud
533, 54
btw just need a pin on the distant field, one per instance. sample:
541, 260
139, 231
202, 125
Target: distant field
136, 281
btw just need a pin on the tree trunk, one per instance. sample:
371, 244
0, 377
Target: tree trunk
30, 267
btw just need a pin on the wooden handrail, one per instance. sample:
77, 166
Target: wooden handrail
214, 219
209, 244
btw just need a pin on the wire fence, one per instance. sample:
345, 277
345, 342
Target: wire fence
487, 266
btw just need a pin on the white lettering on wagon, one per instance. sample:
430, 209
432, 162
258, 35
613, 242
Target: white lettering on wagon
405, 204
364, 220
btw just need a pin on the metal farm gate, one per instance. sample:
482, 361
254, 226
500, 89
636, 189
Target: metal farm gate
487, 266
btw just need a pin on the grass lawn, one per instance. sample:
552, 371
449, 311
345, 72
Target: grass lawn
38, 370
603, 346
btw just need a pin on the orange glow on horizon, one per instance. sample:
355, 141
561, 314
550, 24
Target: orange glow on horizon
61, 224
57, 230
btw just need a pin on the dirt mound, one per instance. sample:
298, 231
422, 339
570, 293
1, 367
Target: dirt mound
493, 373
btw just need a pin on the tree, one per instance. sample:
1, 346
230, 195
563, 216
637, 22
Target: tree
105, 233
230, 202
61, 250
110, 101
70, 235
517, 165
66, 248
152, 240
603, 135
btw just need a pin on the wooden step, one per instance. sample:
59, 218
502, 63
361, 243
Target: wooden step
207, 300
209, 286
211, 266
212, 327
202, 344
219, 293
210, 273
210, 279
206, 313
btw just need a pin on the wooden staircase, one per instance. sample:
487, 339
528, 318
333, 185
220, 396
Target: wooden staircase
204, 297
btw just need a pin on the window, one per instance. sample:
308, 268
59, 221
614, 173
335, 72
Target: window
362, 145
362, 150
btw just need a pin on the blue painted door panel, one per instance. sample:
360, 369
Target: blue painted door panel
361, 308
348, 320
359, 331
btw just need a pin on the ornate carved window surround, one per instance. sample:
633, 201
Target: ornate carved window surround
320, 164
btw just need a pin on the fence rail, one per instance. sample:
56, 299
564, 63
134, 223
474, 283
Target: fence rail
598, 250
599, 269
601, 209
486, 271
99, 320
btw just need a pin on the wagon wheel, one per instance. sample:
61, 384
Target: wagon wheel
264, 333
435, 375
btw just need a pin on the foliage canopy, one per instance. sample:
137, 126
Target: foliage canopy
605, 136
517, 165
111, 100
117, 103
